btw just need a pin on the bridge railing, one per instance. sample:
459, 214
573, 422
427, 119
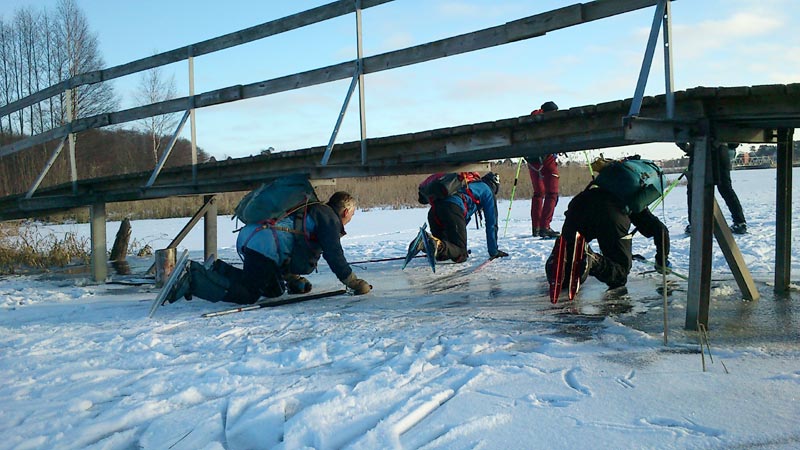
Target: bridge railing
525, 28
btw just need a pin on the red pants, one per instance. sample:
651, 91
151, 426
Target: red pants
544, 178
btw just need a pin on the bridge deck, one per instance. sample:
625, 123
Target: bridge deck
740, 114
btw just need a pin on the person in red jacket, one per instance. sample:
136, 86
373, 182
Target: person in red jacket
544, 178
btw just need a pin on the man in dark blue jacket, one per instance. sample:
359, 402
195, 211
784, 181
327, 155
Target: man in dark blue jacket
448, 219
274, 257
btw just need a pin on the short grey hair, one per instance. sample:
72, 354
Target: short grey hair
341, 201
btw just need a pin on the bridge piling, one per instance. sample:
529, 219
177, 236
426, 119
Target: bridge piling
97, 213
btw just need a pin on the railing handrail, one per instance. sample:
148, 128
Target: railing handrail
529, 27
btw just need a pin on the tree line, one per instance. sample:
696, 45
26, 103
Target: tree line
40, 48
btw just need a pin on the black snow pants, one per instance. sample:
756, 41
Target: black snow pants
448, 224
596, 214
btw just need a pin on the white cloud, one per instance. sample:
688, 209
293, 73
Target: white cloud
701, 40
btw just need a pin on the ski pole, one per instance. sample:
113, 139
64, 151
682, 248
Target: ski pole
268, 304
589, 163
396, 258
669, 188
661, 198
641, 258
513, 190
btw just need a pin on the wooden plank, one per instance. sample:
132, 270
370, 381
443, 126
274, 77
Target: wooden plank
733, 256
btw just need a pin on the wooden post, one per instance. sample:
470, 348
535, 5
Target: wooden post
120, 249
733, 255
97, 214
783, 212
699, 289
210, 228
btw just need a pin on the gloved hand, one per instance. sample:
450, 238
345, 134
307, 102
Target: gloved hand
296, 284
499, 254
666, 268
358, 285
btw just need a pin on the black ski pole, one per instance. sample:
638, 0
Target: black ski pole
269, 304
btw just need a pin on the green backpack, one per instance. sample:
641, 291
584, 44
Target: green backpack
637, 182
275, 200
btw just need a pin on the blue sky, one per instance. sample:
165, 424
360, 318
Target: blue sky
716, 43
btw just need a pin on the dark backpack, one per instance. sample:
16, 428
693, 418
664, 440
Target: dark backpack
271, 202
636, 182
442, 185
275, 200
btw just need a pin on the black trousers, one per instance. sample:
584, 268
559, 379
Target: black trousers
597, 215
721, 168
448, 224
259, 277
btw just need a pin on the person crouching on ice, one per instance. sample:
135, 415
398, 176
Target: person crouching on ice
605, 211
269, 253
448, 218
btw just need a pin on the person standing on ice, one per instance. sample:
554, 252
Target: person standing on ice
267, 254
605, 211
721, 162
448, 218
543, 171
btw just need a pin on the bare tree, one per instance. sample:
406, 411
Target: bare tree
80, 54
5, 78
154, 87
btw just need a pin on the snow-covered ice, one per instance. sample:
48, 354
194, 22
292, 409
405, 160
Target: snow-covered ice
445, 360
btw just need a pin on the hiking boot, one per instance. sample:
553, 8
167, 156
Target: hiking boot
436, 243
739, 228
688, 229
536, 232
549, 233
181, 288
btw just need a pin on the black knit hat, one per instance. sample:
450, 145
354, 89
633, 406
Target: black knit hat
549, 106
493, 181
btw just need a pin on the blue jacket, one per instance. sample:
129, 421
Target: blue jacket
299, 253
488, 205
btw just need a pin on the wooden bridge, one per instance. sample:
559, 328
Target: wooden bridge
752, 114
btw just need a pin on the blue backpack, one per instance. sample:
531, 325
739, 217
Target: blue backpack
636, 182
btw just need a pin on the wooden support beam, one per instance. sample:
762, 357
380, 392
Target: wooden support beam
187, 228
733, 255
699, 290
97, 213
783, 212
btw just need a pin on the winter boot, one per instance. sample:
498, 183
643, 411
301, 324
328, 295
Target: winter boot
739, 228
181, 288
436, 243
549, 233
